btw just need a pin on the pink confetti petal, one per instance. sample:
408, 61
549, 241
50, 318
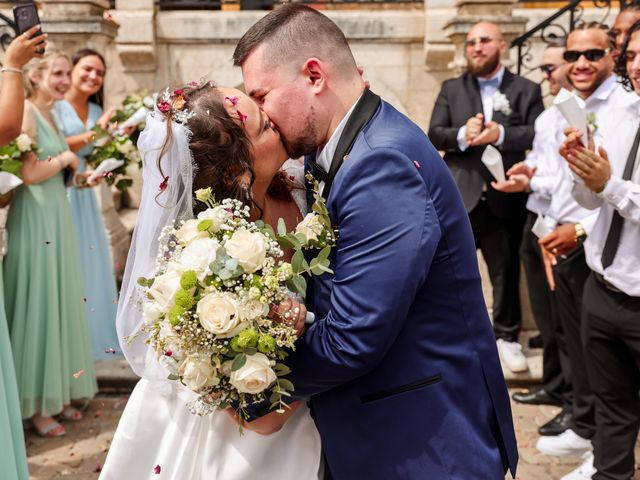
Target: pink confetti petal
78, 374
232, 100
416, 164
157, 469
98, 469
168, 353
112, 351
164, 184
193, 84
241, 116
292, 178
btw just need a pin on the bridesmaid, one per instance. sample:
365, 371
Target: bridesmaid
78, 114
13, 457
42, 276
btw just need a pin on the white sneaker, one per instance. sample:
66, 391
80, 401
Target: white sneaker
512, 356
584, 471
566, 444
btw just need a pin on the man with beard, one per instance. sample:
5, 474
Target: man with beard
488, 105
590, 71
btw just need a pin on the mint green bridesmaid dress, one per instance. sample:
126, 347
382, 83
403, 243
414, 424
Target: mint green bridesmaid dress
13, 457
43, 292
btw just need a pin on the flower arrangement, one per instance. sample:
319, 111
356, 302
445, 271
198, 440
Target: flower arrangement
501, 103
111, 156
592, 126
11, 165
207, 307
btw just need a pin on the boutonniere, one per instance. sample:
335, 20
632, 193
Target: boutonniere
501, 103
591, 123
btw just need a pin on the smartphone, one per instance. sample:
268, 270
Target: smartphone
26, 16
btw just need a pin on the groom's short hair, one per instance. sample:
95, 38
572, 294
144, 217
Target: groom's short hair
295, 32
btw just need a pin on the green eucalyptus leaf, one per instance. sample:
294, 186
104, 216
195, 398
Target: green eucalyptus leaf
238, 362
285, 384
282, 227
297, 261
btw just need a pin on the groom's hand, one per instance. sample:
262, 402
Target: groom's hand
292, 313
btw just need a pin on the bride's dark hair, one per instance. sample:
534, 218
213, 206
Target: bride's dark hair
221, 150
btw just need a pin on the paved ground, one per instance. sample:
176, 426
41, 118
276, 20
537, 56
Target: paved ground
80, 454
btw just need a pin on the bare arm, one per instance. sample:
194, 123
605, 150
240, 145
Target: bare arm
270, 423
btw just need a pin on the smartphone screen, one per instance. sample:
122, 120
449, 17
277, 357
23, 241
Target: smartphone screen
26, 16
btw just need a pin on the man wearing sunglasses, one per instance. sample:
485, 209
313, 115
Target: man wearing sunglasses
590, 72
488, 105
610, 180
542, 159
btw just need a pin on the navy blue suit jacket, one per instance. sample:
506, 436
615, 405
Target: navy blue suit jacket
401, 364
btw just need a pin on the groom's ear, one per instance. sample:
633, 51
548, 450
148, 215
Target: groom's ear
315, 74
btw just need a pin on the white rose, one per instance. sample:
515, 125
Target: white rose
198, 255
151, 312
218, 314
248, 248
218, 215
310, 226
198, 373
164, 288
125, 148
148, 102
189, 232
254, 309
255, 376
23, 142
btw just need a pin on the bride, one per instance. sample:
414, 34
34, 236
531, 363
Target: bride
197, 137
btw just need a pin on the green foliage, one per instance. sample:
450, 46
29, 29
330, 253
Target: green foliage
184, 299
175, 313
266, 343
248, 338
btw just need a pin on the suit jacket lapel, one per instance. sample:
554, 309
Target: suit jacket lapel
362, 113
473, 89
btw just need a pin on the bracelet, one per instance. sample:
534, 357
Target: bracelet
11, 70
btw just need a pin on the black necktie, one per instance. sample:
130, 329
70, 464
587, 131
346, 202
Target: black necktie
613, 238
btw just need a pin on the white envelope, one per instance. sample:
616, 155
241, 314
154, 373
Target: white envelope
573, 110
106, 166
492, 158
8, 181
139, 116
540, 228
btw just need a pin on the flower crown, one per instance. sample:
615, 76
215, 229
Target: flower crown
174, 104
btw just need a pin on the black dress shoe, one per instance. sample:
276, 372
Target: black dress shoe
558, 424
536, 397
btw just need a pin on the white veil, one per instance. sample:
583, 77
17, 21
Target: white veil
157, 209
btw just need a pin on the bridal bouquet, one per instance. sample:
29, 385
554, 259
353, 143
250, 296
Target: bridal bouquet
11, 165
111, 156
207, 307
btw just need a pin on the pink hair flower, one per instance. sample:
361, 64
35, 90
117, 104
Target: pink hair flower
241, 116
232, 100
193, 84
178, 91
164, 184
164, 107
157, 469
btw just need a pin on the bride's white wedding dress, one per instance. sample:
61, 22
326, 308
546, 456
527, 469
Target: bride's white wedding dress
157, 429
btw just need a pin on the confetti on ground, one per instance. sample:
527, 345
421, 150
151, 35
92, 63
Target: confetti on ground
157, 469
78, 374
98, 469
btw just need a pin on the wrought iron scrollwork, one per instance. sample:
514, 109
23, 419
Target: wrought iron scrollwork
8, 31
558, 25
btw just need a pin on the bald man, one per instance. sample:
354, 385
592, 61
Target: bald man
488, 105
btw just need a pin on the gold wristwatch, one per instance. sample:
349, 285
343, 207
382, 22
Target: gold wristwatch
581, 235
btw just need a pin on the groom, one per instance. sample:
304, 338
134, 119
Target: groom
401, 363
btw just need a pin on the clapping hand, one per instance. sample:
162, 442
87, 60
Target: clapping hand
522, 168
474, 127
592, 168
490, 134
515, 183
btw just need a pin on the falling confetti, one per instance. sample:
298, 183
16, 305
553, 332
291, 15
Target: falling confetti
292, 178
98, 469
157, 469
112, 351
78, 374
168, 353
241, 116
232, 100
47, 242
84, 299
416, 164
164, 183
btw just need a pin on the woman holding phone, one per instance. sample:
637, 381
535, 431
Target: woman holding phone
13, 457
79, 113
43, 280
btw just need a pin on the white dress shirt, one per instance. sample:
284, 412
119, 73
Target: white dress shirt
618, 127
486, 93
549, 128
324, 156
564, 208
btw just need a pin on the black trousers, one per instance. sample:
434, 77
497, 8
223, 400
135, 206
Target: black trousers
556, 373
570, 275
499, 241
611, 337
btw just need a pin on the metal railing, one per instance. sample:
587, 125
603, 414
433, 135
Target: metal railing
557, 26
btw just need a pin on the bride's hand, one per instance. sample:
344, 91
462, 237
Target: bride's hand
290, 312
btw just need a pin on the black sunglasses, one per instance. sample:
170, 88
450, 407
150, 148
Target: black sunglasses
592, 55
548, 68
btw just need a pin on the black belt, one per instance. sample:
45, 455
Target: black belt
606, 284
